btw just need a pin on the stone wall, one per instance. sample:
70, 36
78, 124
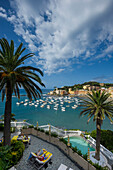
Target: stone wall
64, 148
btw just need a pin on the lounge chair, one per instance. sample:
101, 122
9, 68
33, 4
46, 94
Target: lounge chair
33, 158
23, 138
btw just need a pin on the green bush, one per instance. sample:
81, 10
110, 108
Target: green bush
63, 140
79, 152
36, 128
85, 156
97, 166
41, 130
54, 134
106, 138
24, 127
9, 156
47, 132
31, 126
74, 149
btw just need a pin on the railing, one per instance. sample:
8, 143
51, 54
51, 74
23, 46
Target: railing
105, 151
72, 132
60, 132
18, 124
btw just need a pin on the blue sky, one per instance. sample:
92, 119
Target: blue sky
72, 39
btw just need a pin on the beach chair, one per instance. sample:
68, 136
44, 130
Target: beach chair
33, 159
23, 138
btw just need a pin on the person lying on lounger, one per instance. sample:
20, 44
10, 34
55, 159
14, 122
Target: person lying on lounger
42, 156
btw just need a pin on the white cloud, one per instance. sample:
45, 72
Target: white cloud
2, 10
64, 31
3, 13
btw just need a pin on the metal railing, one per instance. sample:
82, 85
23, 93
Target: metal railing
104, 150
18, 124
60, 132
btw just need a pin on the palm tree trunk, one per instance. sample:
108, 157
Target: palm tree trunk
7, 115
97, 152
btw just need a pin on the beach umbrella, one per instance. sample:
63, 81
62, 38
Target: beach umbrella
37, 125
49, 129
88, 157
68, 144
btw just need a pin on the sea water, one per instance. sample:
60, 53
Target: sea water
68, 119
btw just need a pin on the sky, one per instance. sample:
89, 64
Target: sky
72, 39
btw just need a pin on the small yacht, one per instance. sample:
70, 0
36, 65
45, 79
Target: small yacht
17, 103
48, 107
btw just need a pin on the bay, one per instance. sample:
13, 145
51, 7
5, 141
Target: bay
68, 119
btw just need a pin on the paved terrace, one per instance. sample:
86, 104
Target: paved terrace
57, 159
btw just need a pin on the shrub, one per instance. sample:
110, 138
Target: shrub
47, 132
41, 130
24, 127
54, 134
79, 152
81, 135
74, 149
63, 140
97, 166
31, 126
36, 128
85, 156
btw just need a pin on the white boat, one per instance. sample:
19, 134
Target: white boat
73, 107
36, 105
48, 107
21, 102
17, 103
25, 104
55, 108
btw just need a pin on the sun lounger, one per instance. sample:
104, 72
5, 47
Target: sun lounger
40, 163
25, 140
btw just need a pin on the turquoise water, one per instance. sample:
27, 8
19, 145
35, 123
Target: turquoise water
68, 119
81, 144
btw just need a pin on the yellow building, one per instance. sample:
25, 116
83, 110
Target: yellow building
85, 87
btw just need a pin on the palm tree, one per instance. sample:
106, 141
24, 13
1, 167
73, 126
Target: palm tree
97, 105
13, 76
